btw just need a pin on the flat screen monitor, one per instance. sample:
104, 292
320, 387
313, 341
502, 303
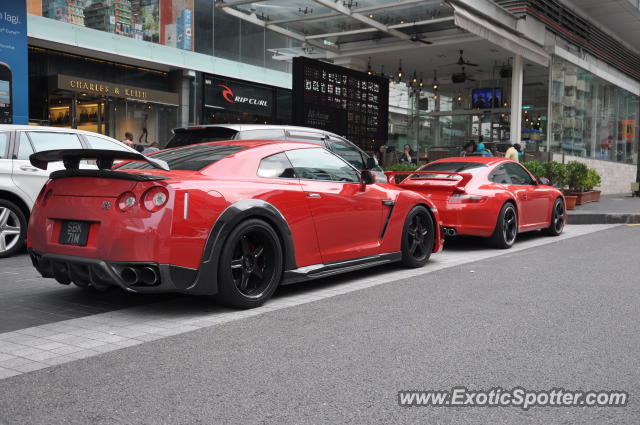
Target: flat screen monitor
487, 98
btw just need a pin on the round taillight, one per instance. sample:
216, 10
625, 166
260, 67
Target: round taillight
155, 198
126, 201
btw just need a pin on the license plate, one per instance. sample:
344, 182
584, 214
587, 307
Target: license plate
74, 233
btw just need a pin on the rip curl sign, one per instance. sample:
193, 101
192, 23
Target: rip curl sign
233, 96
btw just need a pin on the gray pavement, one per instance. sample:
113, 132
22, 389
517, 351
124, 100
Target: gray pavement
621, 208
561, 314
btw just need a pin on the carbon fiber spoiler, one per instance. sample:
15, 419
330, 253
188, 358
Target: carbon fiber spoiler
104, 158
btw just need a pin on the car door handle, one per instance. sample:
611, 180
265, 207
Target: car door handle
29, 168
313, 195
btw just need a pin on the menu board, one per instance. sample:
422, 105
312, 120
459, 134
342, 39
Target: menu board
349, 103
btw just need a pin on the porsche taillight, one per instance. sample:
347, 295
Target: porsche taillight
465, 198
155, 198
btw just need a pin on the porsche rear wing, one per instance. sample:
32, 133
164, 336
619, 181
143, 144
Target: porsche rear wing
104, 158
434, 180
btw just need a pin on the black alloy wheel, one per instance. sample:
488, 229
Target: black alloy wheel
557, 219
506, 230
418, 237
250, 265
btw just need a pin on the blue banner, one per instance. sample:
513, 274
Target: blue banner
14, 94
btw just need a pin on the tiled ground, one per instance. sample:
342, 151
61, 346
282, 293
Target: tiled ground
101, 323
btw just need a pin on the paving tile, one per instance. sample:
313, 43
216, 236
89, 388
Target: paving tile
30, 367
7, 373
58, 360
11, 363
83, 354
42, 355
67, 349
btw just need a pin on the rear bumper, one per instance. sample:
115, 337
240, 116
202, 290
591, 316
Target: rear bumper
126, 275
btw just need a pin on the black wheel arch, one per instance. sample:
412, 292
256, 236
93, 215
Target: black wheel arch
12, 197
206, 282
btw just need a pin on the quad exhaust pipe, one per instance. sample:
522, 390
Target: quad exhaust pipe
450, 231
146, 276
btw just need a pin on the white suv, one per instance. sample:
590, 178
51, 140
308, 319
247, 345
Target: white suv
20, 182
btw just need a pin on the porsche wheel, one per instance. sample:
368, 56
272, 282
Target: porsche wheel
250, 265
557, 219
506, 228
418, 237
13, 228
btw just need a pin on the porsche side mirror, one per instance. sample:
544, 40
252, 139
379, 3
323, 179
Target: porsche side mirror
544, 181
371, 163
367, 177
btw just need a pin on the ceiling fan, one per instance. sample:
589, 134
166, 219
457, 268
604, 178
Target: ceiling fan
415, 37
463, 62
461, 77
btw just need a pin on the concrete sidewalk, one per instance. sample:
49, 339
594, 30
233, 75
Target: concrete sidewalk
612, 209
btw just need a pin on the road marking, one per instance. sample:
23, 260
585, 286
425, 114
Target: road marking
38, 347
633, 224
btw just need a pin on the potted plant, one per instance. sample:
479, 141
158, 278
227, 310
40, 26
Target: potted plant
556, 172
402, 166
581, 181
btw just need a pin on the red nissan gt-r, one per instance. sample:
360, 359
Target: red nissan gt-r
234, 219
490, 197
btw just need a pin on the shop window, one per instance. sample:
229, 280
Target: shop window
276, 166
43, 141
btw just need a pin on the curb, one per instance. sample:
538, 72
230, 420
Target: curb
603, 218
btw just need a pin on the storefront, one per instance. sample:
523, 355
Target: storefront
227, 101
103, 97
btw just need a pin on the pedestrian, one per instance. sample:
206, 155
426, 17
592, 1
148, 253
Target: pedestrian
406, 155
128, 139
468, 148
512, 153
482, 150
379, 155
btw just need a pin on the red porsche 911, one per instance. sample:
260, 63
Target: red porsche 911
234, 219
490, 197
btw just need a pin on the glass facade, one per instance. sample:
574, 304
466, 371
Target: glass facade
590, 117
193, 25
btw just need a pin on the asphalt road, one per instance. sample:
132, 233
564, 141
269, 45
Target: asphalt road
559, 315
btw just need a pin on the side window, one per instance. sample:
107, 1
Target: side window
320, 164
106, 144
306, 136
261, 135
347, 152
4, 144
276, 166
500, 176
518, 174
24, 148
43, 141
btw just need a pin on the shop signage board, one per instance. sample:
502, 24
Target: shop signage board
341, 100
238, 97
107, 89
14, 95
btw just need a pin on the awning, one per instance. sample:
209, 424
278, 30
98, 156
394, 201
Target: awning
500, 36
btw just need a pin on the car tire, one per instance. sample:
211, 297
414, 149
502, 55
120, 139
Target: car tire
13, 229
251, 265
418, 237
557, 219
506, 232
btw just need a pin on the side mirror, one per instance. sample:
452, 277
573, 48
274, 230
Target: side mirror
371, 163
544, 181
367, 177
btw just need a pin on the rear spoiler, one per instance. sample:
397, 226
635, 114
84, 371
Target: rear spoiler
104, 158
460, 179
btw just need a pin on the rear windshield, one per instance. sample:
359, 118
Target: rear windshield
185, 137
188, 158
454, 167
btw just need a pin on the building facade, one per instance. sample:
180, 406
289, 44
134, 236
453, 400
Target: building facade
561, 77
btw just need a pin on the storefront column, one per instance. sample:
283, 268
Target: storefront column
515, 130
